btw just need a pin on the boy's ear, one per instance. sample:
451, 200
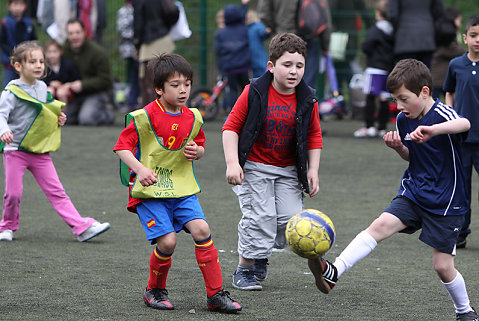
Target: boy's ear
464, 37
271, 67
425, 91
158, 91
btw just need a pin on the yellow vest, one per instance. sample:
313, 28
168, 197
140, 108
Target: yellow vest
175, 174
44, 134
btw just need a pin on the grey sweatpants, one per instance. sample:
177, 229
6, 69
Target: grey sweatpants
269, 196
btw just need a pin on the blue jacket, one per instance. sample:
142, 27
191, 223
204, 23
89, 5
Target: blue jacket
257, 108
12, 33
231, 42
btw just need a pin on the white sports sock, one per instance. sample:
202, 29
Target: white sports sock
358, 249
457, 290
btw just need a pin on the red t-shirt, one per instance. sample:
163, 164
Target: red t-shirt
172, 131
276, 143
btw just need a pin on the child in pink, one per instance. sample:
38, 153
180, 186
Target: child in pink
28, 128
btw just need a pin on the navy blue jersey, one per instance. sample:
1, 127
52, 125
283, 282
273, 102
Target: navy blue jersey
434, 179
463, 80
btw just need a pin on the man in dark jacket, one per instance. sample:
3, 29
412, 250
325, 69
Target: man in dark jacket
92, 91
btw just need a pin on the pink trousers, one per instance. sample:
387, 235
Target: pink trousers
42, 168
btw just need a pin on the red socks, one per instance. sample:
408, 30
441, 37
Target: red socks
160, 264
209, 263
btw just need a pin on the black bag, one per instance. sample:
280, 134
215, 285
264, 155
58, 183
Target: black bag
312, 18
169, 12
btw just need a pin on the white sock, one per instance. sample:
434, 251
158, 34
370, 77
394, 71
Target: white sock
457, 290
359, 248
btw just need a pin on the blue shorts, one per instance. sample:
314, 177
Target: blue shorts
439, 232
165, 215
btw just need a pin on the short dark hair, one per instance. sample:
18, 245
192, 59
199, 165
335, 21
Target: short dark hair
12, 1
166, 65
411, 73
76, 20
286, 42
471, 22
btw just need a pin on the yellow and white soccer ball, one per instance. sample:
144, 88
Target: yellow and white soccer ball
310, 233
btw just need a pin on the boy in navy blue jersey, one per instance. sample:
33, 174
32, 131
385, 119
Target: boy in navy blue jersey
462, 92
432, 193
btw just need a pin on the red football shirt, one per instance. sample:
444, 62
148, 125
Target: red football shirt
172, 131
276, 143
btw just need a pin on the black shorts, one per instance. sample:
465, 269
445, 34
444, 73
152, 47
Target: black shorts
439, 232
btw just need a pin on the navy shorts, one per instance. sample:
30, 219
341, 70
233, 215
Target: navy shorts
438, 231
161, 216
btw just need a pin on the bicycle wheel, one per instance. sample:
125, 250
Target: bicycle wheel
197, 100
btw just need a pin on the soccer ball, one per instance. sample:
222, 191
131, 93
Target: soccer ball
310, 233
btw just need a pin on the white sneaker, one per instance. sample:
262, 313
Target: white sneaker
381, 133
365, 132
94, 230
6, 235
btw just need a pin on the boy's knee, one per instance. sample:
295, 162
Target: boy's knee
201, 230
166, 244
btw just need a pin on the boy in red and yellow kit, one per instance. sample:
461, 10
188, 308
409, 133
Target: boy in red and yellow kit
159, 146
272, 143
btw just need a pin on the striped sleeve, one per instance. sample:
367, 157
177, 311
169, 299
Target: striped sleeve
446, 112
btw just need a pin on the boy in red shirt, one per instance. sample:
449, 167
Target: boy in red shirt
272, 143
159, 146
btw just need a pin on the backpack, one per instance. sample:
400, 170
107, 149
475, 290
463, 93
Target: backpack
312, 18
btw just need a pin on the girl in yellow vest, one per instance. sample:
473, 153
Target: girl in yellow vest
30, 124
159, 145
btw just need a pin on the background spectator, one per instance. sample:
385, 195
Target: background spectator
90, 106
53, 16
16, 28
125, 28
378, 47
447, 48
60, 72
151, 39
349, 16
413, 23
281, 16
257, 33
232, 51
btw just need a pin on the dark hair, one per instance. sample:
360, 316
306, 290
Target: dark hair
471, 22
445, 27
286, 42
12, 1
76, 20
411, 73
166, 65
51, 42
22, 52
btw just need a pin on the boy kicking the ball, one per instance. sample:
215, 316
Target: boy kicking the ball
166, 138
432, 193
272, 142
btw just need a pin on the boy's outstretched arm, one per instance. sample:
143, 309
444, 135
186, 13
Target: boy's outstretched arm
393, 140
234, 172
423, 133
146, 176
314, 155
